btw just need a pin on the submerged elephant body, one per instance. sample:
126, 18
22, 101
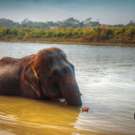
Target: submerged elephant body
45, 75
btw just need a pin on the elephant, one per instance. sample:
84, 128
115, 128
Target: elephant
45, 75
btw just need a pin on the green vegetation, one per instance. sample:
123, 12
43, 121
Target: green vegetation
86, 34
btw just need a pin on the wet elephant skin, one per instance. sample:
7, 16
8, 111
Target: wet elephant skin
44, 75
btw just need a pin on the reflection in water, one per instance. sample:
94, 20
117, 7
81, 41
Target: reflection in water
23, 116
106, 76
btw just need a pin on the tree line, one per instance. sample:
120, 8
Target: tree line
97, 34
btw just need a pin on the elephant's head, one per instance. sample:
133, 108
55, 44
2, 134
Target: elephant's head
57, 76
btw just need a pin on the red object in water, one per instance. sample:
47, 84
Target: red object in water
85, 109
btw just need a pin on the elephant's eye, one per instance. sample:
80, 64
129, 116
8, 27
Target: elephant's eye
66, 70
55, 72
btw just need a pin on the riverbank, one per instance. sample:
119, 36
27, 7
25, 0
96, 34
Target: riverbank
71, 42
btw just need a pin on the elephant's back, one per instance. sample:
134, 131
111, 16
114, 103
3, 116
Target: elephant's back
9, 76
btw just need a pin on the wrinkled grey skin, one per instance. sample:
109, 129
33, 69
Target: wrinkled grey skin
64, 80
56, 77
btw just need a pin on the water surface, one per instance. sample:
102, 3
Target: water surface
106, 77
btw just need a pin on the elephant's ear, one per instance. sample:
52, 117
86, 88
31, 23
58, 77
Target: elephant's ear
29, 83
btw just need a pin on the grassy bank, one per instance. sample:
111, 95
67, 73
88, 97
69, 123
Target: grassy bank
103, 35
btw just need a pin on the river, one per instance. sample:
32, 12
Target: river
106, 77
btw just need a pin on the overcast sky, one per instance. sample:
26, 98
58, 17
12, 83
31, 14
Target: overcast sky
106, 11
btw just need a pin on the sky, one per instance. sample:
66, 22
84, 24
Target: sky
105, 11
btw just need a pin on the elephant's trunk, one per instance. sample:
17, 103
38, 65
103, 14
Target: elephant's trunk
70, 91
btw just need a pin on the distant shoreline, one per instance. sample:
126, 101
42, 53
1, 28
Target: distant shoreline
72, 42
98, 36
